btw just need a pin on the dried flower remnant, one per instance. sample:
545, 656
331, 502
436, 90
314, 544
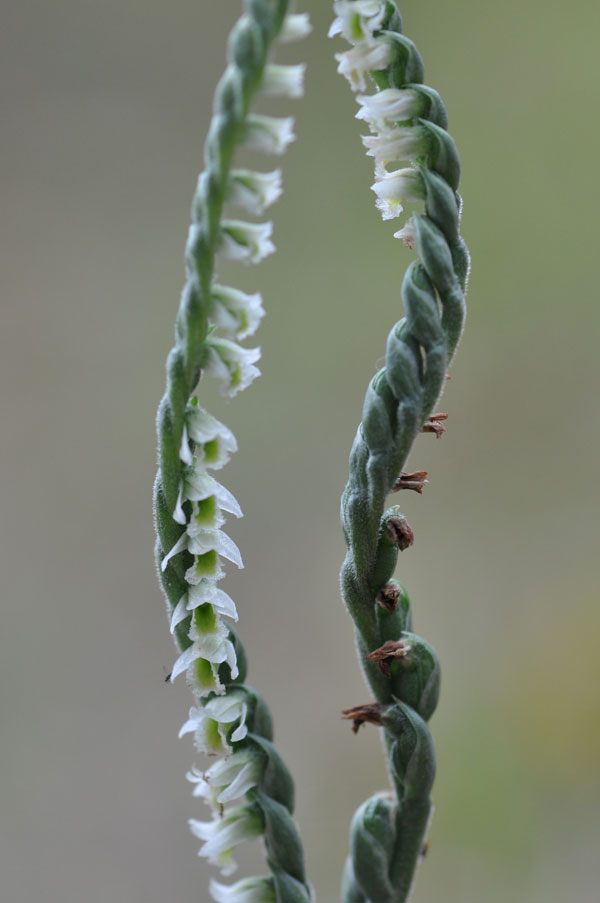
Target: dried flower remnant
400, 532
415, 481
387, 654
363, 714
435, 424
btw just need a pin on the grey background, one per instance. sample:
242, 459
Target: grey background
105, 107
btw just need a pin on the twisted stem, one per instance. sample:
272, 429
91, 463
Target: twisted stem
231, 717
401, 668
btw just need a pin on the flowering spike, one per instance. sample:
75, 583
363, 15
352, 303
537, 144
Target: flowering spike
230, 720
408, 123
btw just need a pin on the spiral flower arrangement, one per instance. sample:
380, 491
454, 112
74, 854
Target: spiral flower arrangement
408, 125
248, 786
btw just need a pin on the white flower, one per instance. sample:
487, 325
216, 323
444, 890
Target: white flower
401, 143
249, 890
232, 364
228, 779
389, 106
185, 453
246, 242
363, 57
237, 313
202, 541
295, 27
198, 485
215, 648
223, 835
210, 724
217, 442
392, 188
283, 81
254, 191
357, 18
205, 592
268, 134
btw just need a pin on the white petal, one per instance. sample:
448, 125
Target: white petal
228, 833
179, 514
184, 451
241, 784
202, 788
187, 657
180, 612
180, 545
226, 709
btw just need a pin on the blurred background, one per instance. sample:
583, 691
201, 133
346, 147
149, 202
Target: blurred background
105, 108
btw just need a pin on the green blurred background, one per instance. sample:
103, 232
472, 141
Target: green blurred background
105, 110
